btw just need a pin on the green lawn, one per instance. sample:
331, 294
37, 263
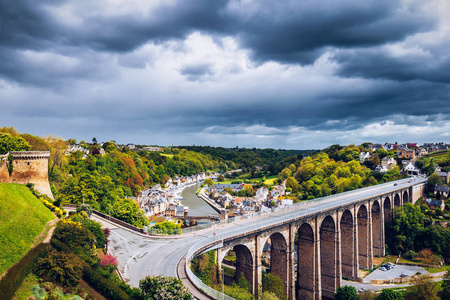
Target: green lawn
22, 219
271, 180
167, 155
437, 270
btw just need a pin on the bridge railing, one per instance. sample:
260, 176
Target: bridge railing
194, 250
260, 214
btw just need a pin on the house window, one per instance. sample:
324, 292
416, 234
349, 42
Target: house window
28, 163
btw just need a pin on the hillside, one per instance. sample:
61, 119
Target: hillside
22, 219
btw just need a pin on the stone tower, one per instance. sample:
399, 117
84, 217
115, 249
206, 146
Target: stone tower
28, 167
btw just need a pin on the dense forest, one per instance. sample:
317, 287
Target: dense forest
270, 161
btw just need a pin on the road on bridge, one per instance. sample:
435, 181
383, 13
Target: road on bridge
141, 255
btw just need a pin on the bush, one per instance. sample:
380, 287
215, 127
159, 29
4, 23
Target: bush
86, 208
74, 235
410, 254
62, 267
94, 227
159, 288
389, 294
346, 293
273, 284
102, 285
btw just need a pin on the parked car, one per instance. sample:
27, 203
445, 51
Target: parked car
403, 275
382, 268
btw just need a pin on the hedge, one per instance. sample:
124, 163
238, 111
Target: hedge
16, 274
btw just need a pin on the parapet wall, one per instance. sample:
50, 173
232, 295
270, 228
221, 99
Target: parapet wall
28, 167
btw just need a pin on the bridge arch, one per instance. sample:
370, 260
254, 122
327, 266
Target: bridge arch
348, 244
244, 263
306, 262
328, 256
377, 232
387, 210
397, 200
405, 197
363, 237
278, 257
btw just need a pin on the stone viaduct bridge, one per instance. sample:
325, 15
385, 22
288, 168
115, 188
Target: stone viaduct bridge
336, 236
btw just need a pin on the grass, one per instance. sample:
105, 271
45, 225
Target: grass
271, 180
25, 289
437, 270
167, 155
22, 218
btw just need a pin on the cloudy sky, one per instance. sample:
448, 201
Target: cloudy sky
295, 74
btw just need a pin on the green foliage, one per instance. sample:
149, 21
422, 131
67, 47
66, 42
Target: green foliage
61, 267
237, 292
16, 274
446, 286
426, 165
434, 180
320, 175
10, 164
75, 236
243, 283
128, 211
209, 181
346, 293
103, 285
10, 143
85, 207
94, 227
390, 294
424, 288
17, 233
271, 160
269, 296
159, 288
407, 226
204, 267
273, 284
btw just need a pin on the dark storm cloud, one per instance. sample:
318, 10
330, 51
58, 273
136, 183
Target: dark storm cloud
300, 31
376, 63
25, 25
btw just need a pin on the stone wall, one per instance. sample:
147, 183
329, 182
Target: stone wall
28, 167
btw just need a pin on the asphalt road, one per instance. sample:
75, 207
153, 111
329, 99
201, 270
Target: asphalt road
140, 255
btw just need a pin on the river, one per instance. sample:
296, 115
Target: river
197, 206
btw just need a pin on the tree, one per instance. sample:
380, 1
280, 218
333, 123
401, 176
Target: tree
209, 182
389, 294
446, 286
220, 178
273, 284
12, 143
434, 180
159, 288
346, 293
424, 288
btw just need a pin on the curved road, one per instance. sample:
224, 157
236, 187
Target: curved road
141, 255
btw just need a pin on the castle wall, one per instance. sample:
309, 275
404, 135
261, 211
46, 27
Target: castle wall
28, 167
4, 174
